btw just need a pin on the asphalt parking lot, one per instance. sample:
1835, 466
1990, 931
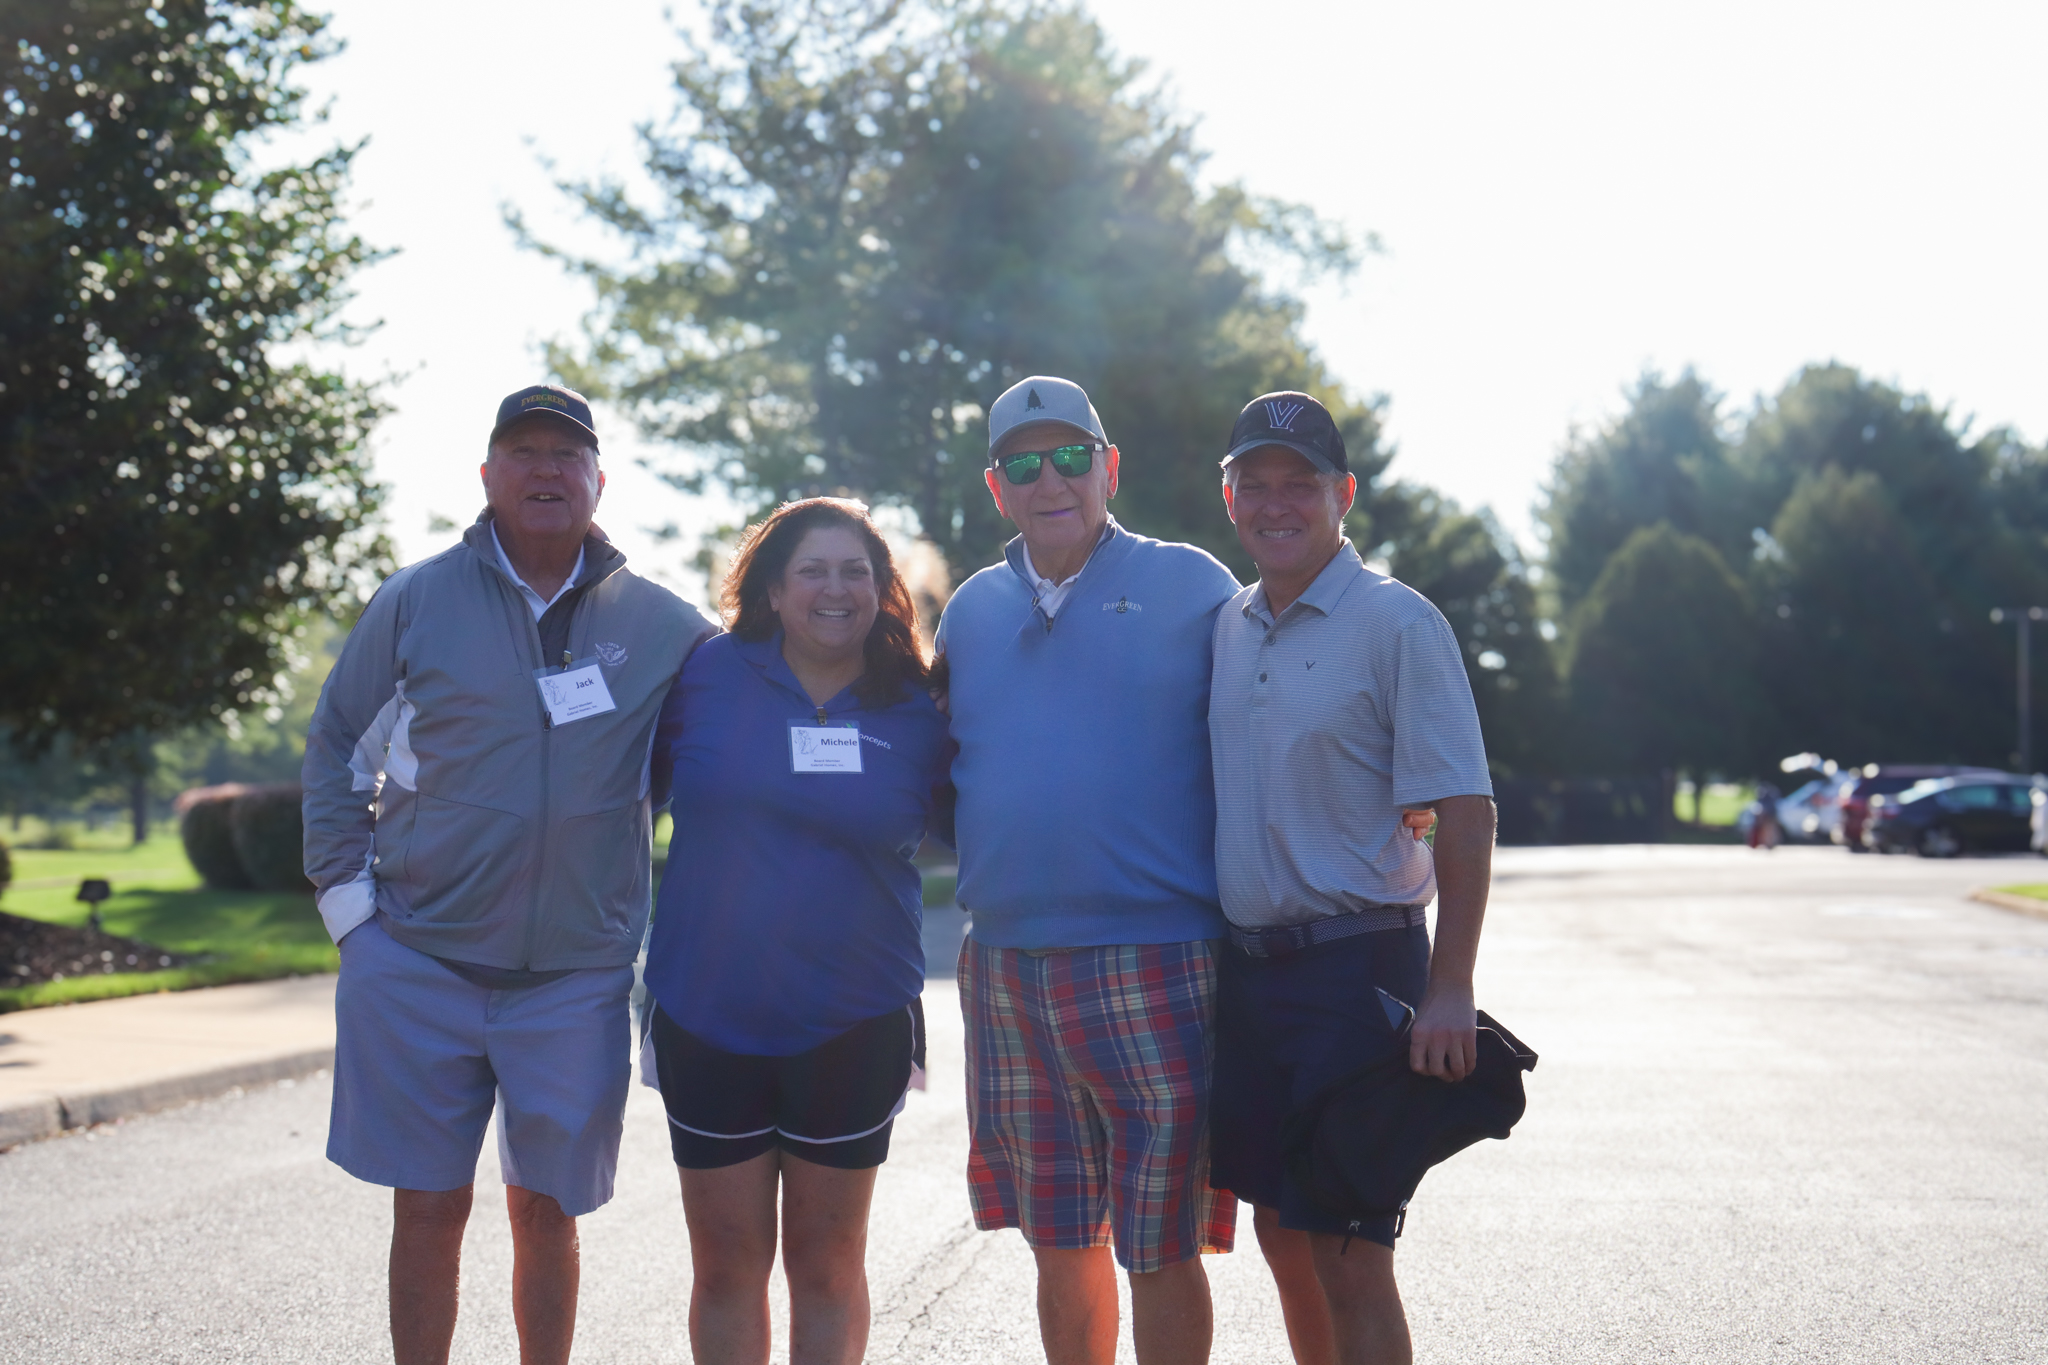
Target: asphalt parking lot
1790, 1107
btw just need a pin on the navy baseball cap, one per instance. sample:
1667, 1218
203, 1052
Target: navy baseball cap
1293, 420
546, 400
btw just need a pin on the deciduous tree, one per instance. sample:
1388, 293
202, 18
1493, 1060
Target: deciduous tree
175, 491
1662, 660
1664, 459
873, 219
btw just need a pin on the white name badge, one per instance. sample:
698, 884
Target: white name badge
824, 748
576, 693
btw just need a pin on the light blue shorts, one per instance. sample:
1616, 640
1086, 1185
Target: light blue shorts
422, 1056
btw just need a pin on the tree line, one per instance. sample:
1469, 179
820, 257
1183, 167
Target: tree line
872, 220
867, 221
1817, 574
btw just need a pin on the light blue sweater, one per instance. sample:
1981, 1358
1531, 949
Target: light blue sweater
1087, 810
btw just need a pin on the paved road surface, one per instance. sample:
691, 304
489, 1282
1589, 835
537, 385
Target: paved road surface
1791, 1107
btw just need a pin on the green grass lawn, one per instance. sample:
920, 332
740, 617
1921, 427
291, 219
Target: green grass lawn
2037, 890
158, 898
1720, 803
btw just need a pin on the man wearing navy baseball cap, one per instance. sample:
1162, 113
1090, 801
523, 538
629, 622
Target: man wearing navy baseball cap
478, 790
1340, 717
1079, 691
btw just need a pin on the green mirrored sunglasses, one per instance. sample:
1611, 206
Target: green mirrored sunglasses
1026, 465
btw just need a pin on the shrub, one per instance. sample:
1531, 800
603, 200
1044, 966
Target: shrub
209, 844
6, 867
270, 836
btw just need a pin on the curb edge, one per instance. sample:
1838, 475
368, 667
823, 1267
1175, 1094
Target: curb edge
2019, 905
46, 1116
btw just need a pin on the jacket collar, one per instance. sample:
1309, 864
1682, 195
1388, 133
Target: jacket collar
601, 558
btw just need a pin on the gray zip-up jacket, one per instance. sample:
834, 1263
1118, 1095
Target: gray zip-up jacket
495, 838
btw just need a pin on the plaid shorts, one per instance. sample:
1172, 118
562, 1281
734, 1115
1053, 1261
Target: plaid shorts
1088, 1077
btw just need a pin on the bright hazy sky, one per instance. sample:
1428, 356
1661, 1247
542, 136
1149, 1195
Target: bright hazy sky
1567, 193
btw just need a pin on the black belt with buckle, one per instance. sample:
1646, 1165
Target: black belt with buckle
1289, 939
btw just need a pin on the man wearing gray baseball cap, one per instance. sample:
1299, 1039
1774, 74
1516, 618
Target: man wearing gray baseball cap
1079, 693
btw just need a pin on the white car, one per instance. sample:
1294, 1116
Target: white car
1810, 814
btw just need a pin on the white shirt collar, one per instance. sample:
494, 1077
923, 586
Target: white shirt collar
534, 602
1052, 596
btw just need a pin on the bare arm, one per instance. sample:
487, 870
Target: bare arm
1445, 1043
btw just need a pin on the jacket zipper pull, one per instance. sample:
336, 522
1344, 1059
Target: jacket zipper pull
565, 658
821, 715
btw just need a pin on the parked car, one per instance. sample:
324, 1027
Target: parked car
1884, 779
1941, 817
1810, 814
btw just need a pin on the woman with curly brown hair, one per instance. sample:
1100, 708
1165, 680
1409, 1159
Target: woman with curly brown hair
786, 960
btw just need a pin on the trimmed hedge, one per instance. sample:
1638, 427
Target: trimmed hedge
6, 866
270, 836
209, 842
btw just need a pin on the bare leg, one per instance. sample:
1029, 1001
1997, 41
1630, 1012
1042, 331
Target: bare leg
824, 1258
426, 1262
546, 1271
1171, 1320
1302, 1304
1365, 1304
731, 1215
1077, 1308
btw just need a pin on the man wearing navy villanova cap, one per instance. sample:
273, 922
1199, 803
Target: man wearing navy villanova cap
1340, 715
478, 788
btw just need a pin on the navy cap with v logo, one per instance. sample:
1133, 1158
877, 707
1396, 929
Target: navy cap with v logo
1293, 420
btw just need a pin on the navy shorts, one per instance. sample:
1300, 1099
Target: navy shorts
834, 1105
1285, 1028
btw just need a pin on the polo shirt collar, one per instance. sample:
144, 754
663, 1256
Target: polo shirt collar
596, 559
1329, 587
533, 598
765, 656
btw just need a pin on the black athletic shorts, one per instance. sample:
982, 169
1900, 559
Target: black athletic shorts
833, 1105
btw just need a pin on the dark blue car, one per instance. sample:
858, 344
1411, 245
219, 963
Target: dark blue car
1945, 816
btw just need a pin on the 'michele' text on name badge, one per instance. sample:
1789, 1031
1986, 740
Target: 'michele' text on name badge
578, 693
824, 748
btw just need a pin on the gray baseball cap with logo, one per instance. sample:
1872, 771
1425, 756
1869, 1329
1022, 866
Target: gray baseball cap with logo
1042, 399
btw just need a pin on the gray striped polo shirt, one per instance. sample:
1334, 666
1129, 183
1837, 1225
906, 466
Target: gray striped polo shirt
1323, 726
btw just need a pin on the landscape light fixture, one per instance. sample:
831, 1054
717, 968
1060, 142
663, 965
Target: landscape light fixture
2026, 616
92, 891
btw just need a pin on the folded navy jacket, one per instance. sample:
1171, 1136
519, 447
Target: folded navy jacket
1361, 1144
